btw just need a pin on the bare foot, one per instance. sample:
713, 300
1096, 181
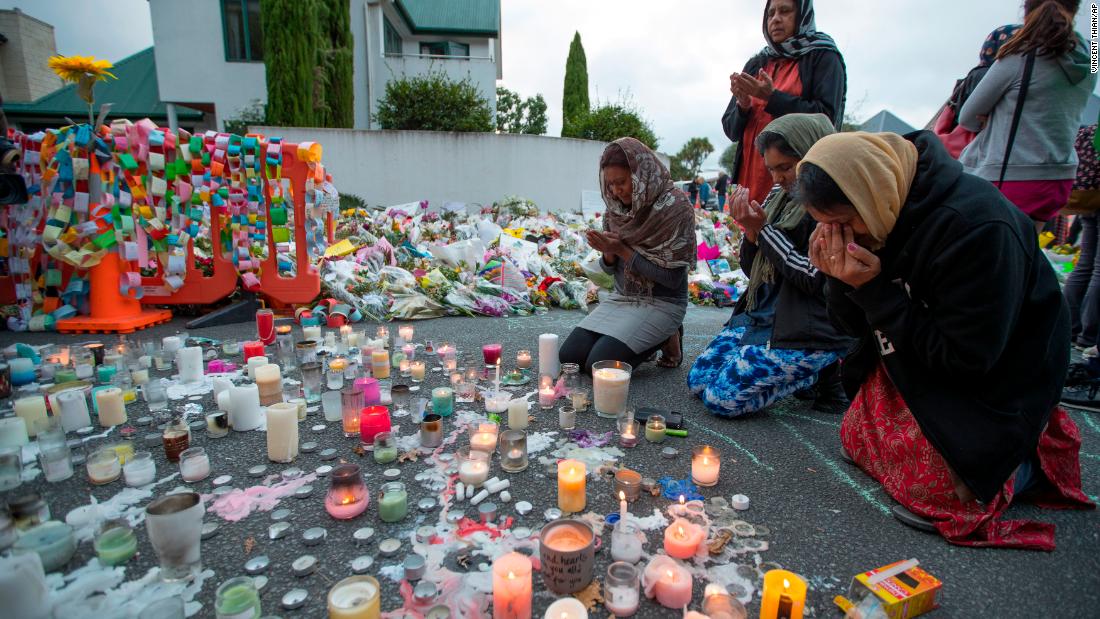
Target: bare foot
670, 352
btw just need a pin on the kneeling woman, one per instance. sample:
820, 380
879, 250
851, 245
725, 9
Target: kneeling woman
648, 244
779, 338
964, 337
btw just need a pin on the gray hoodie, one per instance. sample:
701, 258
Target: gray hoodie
1043, 149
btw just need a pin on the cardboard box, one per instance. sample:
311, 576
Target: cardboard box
908, 593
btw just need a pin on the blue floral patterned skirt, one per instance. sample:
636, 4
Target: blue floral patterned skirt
734, 380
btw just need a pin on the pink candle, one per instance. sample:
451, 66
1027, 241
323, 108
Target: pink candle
668, 582
512, 587
372, 394
491, 352
372, 421
682, 539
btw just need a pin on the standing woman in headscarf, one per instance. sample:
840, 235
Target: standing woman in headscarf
779, 338
964, 337
800, 70
648, 245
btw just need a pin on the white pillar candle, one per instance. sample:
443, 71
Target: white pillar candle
269, 382
312, 333
244, 408
13, 432
517, 414
610, 387
171, 344
220, 385
74, 410
112, 410
224, 400
32, 410
282, 432
548, 355
23, 586
189, 363
253, 363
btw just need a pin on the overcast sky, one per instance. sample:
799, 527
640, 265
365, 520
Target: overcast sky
672, 59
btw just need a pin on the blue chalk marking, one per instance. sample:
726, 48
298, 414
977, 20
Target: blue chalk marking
1090, 423
866, 493
1090, 456
831, 424
729, 440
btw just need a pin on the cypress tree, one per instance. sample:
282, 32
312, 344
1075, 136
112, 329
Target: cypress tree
290, 28
575, 94
334, 17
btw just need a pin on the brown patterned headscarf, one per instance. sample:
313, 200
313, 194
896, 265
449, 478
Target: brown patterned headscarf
660, 222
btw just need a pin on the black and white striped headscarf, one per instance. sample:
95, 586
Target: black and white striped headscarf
805, 39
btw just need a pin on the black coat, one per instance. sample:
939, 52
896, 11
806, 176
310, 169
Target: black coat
967, 317
801, 318
824, 84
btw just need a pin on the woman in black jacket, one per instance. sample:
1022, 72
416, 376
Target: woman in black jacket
964, 337
800, 70
779, 338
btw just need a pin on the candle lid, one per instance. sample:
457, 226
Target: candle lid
304, 565
314, 536
363, 535
257, 565
209, 529
425, 592
294, 599
361, 564
278, 530
280, 514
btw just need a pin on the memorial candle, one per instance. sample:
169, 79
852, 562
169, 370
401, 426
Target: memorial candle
512, 586
372, 393
611, 386
269, 384
517, 413
417, 370
682, 539
394, 504
547, 394
255, 362
380, 363
112, 411
705, 463
244, 408
784, 595
189, 364
548, 355
355, 597
673, 588
473, 466
347, 496
312, 332
32, 410
620, 589
484, 438
253, 349
571, 486
406, 332
566, 608
282, 432
491, 354
523, 359
265, 326
443, 401
373, 420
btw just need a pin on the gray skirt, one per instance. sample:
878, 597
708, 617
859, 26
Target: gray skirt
641, 324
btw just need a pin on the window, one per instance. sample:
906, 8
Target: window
444, 48
244, 41
392, 40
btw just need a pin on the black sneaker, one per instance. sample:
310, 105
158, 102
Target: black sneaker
1084, 396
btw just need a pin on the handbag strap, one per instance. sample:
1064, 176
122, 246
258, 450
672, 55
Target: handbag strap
1029, 64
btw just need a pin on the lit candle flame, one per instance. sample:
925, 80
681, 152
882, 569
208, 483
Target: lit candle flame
705, 461
671, 575
622, 497
786, 584
681, 499
572, 472
680, 531
511, 576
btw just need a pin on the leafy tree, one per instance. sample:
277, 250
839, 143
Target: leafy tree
433, 102
725, 161
610, 122
254, 114
693, 153
518, 115
677, 170
335, 105
290, 32
575, 94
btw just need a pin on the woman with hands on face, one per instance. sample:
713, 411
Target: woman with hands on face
799, 71
963, 337
648, 245
779, 339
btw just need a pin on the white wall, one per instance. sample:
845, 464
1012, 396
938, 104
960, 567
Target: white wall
191, 65
395, 167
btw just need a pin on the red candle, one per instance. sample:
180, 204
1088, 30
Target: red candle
491, 352
265, 326
253, 349
373, 420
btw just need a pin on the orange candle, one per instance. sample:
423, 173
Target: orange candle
784, 595
571, 486
512, 587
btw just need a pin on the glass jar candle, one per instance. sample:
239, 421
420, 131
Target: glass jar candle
655, 429
567, 418
155, 395
265, 326
103, 466
332, 405
431, 431
355, 597
311, 330
513, 451
394, 504
579, 397
237, 598
351, 403
571, 377
620, 589
706, 461
371, 421
491, 354
484, 437
406, 332
347, 495
231, 347
253, 349
629, 483
473, 466
311, 381
385, 448
176, 438
383, 333
115, 543
611, 385
523, 359
443, 401
399, 396
380, 364
217, 424
84, 362
140, 469
629, 429
284, 343
465, 392
11, 467
626, 545
416, 371
307, 351
335, 375
194, 464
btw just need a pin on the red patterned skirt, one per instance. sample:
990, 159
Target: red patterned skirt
881, 435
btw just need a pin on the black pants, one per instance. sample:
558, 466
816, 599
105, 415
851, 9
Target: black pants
585, 348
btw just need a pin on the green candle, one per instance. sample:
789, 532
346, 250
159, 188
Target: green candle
443, 401
237, 598
397, 358
115, 546
104, 373
64, 376
394, 504
385, 455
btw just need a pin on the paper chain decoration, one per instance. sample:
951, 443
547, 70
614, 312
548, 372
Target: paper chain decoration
97, 185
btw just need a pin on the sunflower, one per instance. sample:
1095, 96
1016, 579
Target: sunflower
84, 71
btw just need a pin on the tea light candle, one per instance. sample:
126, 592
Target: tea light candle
269, 384
112, 411
523, 359
443, 401
484, 438
355, 597
566, 608
671, 582
380, 364
512, 586
32, 410
548, 355
189, 363
628, 436
705, 463
253, 349
784, 595
682, 539
282, 432
571, 486
517, 413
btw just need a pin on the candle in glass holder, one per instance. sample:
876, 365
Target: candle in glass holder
194, 464
625, 544
373, 420
473, 466
491, 354
103, 466
566, 608
253, 349
355, 597
450, 363
567, 418
112, 410
517, 413
497, 401
620, 589
380, 363
512, 446
32, 410
571, 486
512, 586
409, 350
140, 469
383, 333
284, 341
784, 595
628, 431
705, 463
394, 504
655, 429
282, 432
372, 392
523, 359
385, 448
406, 332
312, 332
269, 384
567, 549
611, 385
484, 438
417, 370
405, 368
444, 350
347, 495
547, 393
443, 401
265, 326
334, 378
176, 438
682, 539
22, 371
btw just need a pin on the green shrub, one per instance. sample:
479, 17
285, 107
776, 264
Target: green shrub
433, 102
